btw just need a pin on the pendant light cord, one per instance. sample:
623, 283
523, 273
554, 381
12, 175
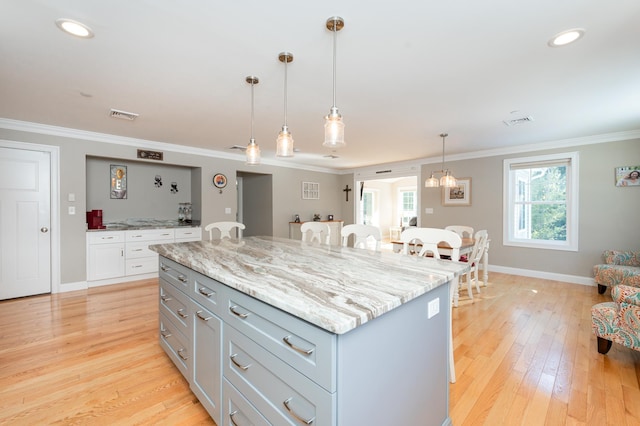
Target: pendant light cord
443, 152
252, 141
335, 36
285, 90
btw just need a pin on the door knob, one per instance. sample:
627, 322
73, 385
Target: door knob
44, 229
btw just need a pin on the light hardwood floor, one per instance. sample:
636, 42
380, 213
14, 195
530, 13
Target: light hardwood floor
524, 351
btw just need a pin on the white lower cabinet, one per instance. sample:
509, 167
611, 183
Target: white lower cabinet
105, 255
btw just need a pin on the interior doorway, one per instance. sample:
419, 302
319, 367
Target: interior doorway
255, 203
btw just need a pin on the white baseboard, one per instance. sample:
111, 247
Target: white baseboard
574, 279
65, 287
83, 285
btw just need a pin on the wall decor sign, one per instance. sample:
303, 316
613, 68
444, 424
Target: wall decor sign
118, 181
310, 191
459, 195
150, 155
628, 176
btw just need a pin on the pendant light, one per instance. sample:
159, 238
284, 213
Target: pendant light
284, 143
253, 150
333, 125
447, 180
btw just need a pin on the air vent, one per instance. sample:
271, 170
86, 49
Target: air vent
518, 121
116, 113
332, 156
242, 148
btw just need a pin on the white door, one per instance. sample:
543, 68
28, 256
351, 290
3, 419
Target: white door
25, 219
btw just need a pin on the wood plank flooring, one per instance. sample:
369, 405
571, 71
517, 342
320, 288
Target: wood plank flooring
524, 351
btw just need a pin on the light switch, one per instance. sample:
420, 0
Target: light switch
428, 210
72, 210
72, 196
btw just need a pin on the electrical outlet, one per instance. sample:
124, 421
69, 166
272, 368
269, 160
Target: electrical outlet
227, 210
428, 210
72, 210
433, 308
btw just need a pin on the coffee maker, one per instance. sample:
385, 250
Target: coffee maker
94, 219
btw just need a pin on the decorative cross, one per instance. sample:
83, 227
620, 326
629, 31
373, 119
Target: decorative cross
347, 190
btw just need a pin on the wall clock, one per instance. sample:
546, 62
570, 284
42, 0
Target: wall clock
219, 180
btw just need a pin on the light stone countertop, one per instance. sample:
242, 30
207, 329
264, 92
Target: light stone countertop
335, 288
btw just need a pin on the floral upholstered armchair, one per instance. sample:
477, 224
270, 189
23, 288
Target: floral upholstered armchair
620, 267
618, 321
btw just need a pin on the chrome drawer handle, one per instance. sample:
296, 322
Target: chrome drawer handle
204, 292
297, 348
236, 313
203, 318
180, 351
165, 298
182, 278
181, 313
293, 413
243, 367
164, 267
231, 417
136, 250
165, 334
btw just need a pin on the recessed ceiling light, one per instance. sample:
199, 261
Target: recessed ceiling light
75, 28
566, 37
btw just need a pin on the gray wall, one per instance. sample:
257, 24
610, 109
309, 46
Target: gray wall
606, 213
73, 179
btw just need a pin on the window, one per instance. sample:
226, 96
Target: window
407, 206
541, 202
368, 207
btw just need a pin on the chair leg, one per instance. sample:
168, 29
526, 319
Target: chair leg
603, 345
601, 288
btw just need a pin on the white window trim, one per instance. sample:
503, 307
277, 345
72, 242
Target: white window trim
571, 244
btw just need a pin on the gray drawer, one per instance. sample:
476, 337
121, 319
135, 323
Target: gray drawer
174, 343
174, 273
237, 410
207, 292
175, 306
279, 392
305, 347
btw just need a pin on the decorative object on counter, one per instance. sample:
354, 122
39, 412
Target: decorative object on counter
150, 155
284, 143
316, 217
333, 124
219, 181
628, 176
458, 195
330, 217
346, 192
310, 191
158, 181
94, 220
184, 212
296, 218
253, 150
174, 187
118, 182
447, 180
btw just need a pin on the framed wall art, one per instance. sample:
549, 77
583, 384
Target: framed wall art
118, 181
459, 195
310, 191
628, 176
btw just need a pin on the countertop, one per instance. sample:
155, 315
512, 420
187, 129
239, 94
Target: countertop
335, 288
135, 224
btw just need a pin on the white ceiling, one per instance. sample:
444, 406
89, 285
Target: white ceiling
407, 71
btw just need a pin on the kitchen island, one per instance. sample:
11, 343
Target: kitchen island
270, 330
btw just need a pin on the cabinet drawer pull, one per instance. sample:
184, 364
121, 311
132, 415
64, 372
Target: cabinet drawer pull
164, 267
293, 413
203, 291
203, 318
180, 351
233, 413
164, 235
297, 348
137, 249
181, 313
107, 238
165, 298
243, 367
182, 278
236, 313
165, 334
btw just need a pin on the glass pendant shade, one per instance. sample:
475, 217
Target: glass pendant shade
333, 130
284, 143
448, 181
432, 182
253, 153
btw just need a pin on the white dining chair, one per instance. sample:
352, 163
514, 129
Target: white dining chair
462, 230
475, 258
363, 234
430, 238
225, 228
315, 231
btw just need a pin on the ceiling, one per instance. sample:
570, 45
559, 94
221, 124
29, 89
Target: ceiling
407, 71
